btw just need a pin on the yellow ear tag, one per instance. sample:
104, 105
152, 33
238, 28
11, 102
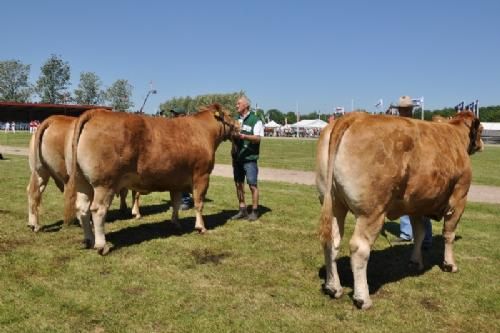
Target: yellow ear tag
217, 114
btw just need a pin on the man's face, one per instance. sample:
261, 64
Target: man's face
241, 105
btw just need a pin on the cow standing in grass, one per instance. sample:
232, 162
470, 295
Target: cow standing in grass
384, 166
49, 154
114, 150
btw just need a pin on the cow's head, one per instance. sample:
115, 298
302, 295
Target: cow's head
475, 130
230, 126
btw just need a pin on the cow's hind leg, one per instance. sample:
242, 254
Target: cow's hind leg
331, 249
102, 200
449, 227
365, 233
38, 183
84, 196
418, 228
200, 186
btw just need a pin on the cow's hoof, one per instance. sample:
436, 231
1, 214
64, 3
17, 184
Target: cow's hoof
362, 304
34, 228
103, 250
137, 216
87, 244
332, 292
202, 231
450, 268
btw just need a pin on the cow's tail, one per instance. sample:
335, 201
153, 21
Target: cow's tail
326, 219
35, 158
70, 189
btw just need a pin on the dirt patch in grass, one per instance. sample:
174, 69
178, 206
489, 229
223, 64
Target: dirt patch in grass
207, 256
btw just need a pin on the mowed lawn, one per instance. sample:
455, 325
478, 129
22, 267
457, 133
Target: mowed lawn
240, 277
300, 154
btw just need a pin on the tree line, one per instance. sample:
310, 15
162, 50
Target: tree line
52, 87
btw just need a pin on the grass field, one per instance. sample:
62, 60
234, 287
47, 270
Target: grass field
300, 154
240, 277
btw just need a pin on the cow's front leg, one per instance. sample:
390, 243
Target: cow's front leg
418, 228
200, 186
176, 199
449, 226
365, 234
135, 204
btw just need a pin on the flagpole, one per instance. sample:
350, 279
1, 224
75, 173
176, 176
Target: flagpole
422, 106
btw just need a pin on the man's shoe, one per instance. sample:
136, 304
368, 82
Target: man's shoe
402, 240
185, 207
242, 214
253, 216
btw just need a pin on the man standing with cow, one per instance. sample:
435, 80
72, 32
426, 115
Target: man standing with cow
405, 109
245, 153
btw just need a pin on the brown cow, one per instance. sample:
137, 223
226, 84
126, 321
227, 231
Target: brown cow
384, 166
48, 158
113, 150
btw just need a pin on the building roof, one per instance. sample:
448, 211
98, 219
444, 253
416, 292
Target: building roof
25, 112
14, 106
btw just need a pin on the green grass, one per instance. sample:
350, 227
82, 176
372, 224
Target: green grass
300, 154
18, 139
240, 277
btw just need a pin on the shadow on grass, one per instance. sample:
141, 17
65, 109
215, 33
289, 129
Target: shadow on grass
137, 234
390, 265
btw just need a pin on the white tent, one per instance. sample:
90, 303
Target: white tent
310, 123
272, 124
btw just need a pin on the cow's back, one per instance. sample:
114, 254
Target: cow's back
49, 142
143, 153
386, 163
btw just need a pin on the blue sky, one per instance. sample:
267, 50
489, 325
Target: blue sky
312, 54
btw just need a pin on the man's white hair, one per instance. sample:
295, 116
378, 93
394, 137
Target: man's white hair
246, 99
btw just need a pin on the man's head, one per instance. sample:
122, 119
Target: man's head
405, 106
178, 111
242, 105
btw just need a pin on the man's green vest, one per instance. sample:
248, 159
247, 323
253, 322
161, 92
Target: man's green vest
246, 150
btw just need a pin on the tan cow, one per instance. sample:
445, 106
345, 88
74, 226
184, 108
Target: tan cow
47, 159
113, 150
384, 166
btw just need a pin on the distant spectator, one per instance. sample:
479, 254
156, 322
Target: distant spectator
7, 127
13, 127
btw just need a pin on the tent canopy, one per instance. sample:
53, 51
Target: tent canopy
272, 124
310, 123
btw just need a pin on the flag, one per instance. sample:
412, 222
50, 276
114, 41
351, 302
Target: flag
380, 103
339, 109
470, 107
459, 107
476, 104
417, 101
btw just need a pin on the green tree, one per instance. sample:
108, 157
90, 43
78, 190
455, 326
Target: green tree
119, 95
53, 82
89, 90
192, 104
291, 117
276, 115
14, 84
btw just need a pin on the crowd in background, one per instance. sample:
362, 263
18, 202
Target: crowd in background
11, 126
